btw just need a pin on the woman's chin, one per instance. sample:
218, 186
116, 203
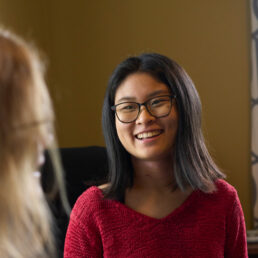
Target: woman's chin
152, 155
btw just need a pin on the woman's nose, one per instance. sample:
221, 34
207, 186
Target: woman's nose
144, 116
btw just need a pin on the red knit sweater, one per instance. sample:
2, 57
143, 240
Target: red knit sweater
205, 225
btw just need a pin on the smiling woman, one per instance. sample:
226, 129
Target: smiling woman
142, 137
165, 196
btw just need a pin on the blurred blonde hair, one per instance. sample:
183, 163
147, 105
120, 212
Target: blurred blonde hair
26, 121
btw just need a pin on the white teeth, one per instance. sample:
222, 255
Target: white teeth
147, 135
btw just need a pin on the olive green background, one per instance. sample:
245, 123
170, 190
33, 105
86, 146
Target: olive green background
84, 40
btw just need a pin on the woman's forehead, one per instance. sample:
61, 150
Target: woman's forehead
140, 85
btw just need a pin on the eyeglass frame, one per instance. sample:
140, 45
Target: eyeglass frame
113, 108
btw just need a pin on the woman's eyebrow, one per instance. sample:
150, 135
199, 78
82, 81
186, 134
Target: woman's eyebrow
150, 95
158, 92
126, 98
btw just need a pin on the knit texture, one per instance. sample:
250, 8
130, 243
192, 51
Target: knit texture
205, 225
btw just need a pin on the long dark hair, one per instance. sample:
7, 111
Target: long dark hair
193, 165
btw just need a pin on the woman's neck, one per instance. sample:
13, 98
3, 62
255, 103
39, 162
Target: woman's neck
153, 175
152, 192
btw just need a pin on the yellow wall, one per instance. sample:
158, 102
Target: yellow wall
28, 18
87, 39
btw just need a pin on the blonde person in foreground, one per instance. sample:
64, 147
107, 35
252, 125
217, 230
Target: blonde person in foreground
26, 129
165, 196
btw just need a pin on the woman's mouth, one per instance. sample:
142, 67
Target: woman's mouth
147, 135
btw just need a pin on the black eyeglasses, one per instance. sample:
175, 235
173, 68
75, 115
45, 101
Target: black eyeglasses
128, 112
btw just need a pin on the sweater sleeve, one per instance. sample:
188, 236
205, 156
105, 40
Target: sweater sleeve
83, 237
236, 245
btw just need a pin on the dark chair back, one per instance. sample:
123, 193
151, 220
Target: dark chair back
83, 167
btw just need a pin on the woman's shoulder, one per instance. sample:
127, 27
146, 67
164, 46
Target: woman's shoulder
218, 201
223, 187
93, 194
88, 202
223, 191
103, 187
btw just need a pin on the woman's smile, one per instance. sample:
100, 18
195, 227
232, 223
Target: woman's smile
148, 134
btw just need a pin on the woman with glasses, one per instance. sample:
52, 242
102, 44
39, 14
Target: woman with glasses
26, 128
165, 196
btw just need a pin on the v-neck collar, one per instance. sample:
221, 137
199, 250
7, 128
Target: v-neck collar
142, 216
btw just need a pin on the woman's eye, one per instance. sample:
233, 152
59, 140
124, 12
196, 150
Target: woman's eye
128, 108
157, 102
